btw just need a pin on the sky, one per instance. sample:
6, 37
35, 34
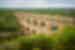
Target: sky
37, 3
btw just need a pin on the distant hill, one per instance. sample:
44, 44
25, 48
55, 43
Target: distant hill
62, 11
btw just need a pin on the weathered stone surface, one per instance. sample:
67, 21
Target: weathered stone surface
40, 23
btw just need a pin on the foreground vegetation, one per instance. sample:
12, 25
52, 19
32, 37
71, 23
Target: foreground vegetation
65, 41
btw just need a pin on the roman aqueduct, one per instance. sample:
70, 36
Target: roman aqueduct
32, 23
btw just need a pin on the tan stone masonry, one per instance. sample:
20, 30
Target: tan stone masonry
39, 23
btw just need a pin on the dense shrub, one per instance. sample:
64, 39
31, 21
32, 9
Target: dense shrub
42, 42
67, 40
8, 21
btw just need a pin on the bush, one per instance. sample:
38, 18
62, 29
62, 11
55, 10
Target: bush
67, 40
42, 42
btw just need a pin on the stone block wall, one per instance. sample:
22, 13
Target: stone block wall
39, 23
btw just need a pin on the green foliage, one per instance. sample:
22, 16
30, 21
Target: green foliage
7, 21
67, 40
42, 42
